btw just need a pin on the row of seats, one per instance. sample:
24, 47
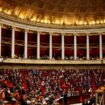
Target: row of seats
48, 86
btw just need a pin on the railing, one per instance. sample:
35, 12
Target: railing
55, 62
6, 40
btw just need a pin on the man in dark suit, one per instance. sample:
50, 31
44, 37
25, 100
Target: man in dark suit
65, 97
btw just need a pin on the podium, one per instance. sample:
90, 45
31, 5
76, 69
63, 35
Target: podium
100, 96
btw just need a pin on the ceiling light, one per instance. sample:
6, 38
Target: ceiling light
90, 23
41, 21
33, 19
1, 9
101, 21
7, 11
97, 22
104, 21
57, 22
21, 16
85, 23
80, 22
93, 22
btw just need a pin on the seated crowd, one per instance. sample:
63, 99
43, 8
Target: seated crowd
57, 57
48, 87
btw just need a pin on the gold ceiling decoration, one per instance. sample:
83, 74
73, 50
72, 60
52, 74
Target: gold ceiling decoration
62, 12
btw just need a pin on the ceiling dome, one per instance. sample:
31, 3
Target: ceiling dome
69, 12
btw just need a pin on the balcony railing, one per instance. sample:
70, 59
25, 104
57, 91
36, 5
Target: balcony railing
55, 62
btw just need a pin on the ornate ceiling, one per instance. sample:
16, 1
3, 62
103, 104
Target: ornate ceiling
70, 12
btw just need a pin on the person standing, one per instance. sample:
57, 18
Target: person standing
65, 97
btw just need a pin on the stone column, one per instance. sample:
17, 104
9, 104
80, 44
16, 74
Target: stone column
100, 47
62, 47
50, 46
38, 45
0, 38
26, 44
13, 43
87, 47
75, 47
